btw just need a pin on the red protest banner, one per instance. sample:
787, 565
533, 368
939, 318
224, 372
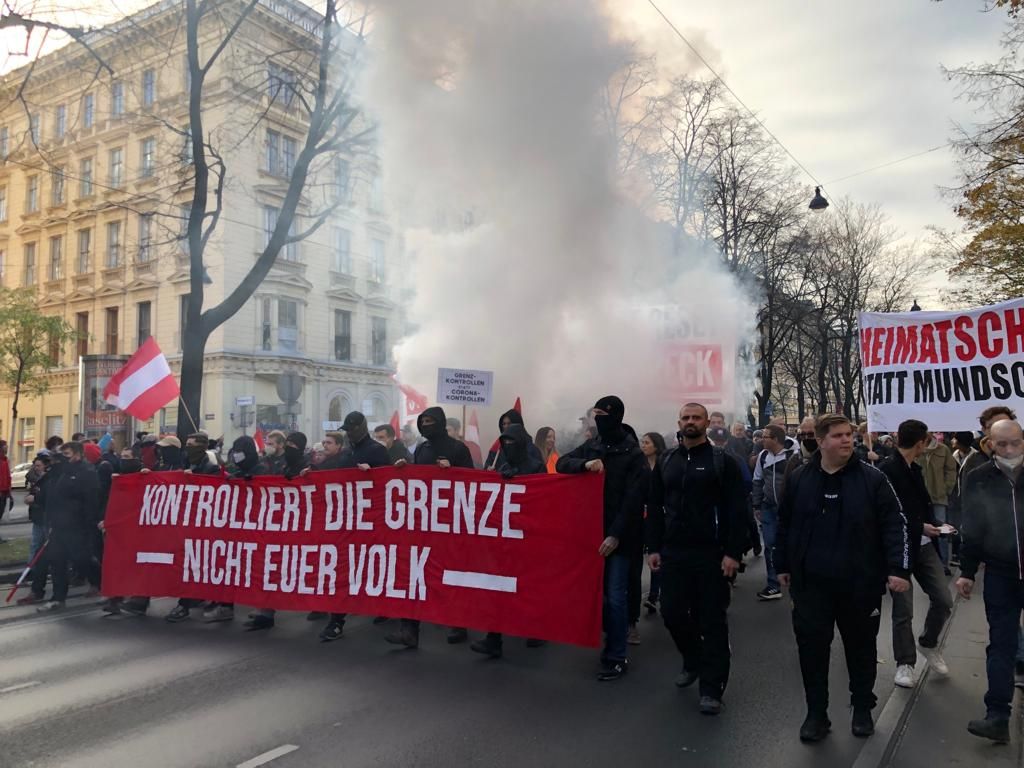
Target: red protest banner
450, 546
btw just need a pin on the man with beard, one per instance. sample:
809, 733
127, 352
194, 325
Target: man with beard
365, 453
385, 435
697, 531
617, 454
842, 538
273, 453
512, 459
437, 449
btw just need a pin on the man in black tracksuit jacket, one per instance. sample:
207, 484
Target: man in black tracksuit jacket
441, 450
841, 534
696, 534
615, 453
365, 453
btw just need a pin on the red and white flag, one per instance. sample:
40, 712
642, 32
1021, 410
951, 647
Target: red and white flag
473, 440
257, 437
415, 402
396, 424
144, 385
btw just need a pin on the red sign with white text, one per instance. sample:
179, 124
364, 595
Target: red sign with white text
450, 546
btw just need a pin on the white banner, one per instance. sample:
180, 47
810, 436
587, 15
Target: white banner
464, 387
943, 368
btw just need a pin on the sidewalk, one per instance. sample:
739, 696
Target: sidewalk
933, 730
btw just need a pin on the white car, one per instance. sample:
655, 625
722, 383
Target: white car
19, 474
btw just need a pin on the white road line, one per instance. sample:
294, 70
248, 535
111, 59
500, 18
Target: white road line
21, 686
474, 580
266, 757
159, 558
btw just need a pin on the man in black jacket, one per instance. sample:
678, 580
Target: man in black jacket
385, 435
696, 534
842, 537
69, 498
993, 533
441, 450
907, 480
615, 453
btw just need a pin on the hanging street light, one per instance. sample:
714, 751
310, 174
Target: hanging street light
818, 202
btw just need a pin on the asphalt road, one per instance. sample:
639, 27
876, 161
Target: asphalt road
81, 689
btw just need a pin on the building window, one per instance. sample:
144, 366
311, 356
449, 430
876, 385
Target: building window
116, 167
144, 315
148, 87
54, 353
85, 178
88, 110
273, 151
379, 340
117, 99
186, 147
56, 257
33, 127
186, 212
57, 186
342, 334
111, 318
145, 236
147, 157
342, 251
376, 202
287, 324
60, 123
281, 84
182, 319
5, 142
265, 326
3, 203
342, 179
84, 249
113, 244
188, 76
28, 430
377, 260
269, 224
29, 276
288, 150
32, 195
82, 331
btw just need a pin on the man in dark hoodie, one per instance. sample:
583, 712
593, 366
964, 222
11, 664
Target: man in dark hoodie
437, 449
512, 459
507, 419
615, 453
295, 459
842, 538
364, 453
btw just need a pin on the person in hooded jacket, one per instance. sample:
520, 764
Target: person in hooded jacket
437, 449
504, 422
512, 459
364, 453
295, 459
614, 452
36, 479
104, 475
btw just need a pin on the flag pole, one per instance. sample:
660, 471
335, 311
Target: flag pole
188, 413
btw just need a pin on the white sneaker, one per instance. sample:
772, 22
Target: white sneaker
935, 660
218, 613
905, 676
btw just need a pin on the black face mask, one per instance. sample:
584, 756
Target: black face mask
195, 453
130, 466
433, 431
810, 444
292, 455
515, 452
357, 433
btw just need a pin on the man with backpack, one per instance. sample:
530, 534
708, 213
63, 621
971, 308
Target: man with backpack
696, 534
768, 485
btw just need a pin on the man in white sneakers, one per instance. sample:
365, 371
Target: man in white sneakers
769, 482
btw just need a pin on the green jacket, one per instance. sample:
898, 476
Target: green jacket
939, 471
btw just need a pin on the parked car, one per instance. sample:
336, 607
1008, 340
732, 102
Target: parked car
19, 474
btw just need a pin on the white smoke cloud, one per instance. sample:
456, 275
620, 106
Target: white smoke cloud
490, 107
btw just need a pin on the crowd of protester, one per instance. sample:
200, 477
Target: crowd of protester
843, 516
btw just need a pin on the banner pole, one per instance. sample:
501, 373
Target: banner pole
187, 413
464, 422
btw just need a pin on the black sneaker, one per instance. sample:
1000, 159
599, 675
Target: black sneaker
316, 615
134, 608
770, 593
487, 647
651, 605
815, 728
686, 678
258, 621
612, 670
332, 631
997, 730
180, 613
457, 635
709, 705
862, 725
402, 637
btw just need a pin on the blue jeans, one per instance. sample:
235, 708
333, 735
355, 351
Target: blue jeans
1004, 600
616, 608
769, 532
38, 537
940, 511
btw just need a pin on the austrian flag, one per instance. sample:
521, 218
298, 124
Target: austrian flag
144, 385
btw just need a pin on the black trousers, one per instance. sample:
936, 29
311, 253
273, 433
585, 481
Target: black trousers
67, 547
695, 605
819, 606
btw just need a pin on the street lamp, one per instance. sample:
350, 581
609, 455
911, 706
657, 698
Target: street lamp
915, 308
818, 202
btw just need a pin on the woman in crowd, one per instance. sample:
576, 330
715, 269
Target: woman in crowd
545, 442
653, 446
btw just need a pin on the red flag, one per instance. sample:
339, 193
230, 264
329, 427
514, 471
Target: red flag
396, 424
415, 402
257, 437
144, 384
473, 439
518, 407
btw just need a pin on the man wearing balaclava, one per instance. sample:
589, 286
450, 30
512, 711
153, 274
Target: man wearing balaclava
441, 450
616, 454
993, 533
295, 460
507, 419
365, 453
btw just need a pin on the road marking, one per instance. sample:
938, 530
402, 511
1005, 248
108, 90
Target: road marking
21, 686
474, 580
266, 757
159, 558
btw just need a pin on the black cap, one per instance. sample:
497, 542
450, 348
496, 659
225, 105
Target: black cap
354, 419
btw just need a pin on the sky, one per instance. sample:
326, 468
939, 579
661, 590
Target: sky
845, 86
